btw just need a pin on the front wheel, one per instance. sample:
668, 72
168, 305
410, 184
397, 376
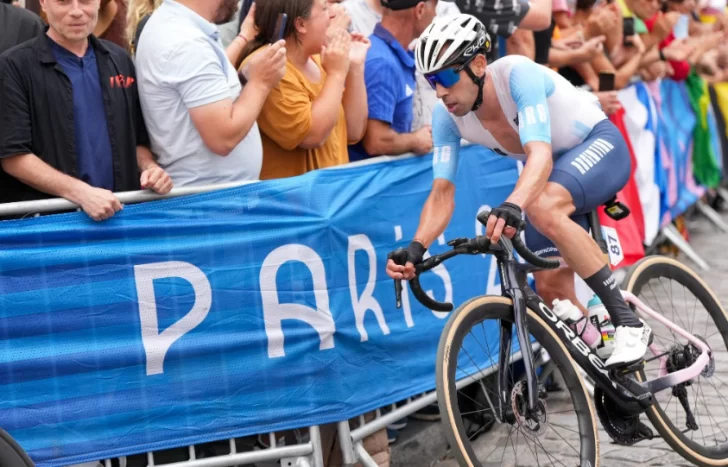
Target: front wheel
563, 432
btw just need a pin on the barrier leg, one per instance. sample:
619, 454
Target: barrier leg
672, 234
347, 448
318, 453
712, 216
364, 456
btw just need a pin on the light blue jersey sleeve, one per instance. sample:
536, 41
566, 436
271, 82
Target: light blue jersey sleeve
530, 88
446, 143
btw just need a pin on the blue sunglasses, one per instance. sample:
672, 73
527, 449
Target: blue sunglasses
445, 78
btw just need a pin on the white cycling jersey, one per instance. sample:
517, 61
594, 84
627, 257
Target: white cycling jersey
540, 104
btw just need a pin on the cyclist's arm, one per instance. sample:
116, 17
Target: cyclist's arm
530, 88
440, 204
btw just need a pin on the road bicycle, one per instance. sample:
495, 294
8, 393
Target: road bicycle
546, 427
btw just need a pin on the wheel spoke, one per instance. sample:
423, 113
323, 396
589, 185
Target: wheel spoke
705, 409
552, 425
468, 353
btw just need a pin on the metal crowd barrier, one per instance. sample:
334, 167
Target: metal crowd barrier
308, 454
351, 441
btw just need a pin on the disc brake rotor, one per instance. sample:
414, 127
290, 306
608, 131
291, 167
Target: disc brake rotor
535, 423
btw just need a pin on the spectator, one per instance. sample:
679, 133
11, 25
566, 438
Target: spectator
320, 105
366, 14
17, 25
201, 121
112, 22
606, 20
390, 82
502, 18
678, 70
230, 30
82, 148
138, 14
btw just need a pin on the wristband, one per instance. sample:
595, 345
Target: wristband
243, 37
662, 56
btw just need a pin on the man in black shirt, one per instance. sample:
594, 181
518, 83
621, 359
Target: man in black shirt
17, 25
70, 120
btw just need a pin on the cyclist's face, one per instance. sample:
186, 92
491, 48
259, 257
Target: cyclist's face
460, 96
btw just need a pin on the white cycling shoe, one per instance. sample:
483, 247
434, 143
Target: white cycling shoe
630, 345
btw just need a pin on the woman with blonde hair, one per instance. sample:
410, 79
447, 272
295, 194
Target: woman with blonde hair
137, 15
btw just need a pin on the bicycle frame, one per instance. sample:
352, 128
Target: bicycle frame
632, 396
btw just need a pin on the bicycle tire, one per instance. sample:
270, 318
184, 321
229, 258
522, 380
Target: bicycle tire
639, 275
496, 307
11, 454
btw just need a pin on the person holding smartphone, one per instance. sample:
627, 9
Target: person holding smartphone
320, 105
201, 121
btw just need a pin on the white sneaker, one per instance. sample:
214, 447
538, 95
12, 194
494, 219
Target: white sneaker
630, 345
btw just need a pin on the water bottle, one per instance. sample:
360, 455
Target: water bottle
599, 317
571, 315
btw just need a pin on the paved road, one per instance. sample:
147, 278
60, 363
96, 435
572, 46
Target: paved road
709, 399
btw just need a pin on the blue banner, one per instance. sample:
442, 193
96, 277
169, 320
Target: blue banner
220, 315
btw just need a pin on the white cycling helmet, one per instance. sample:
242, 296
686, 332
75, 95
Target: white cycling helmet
450, 40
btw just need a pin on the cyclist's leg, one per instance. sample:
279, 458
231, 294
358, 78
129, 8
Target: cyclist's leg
558, 284
583, 179
554, 283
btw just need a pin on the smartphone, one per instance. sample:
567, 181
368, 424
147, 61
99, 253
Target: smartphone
606, 81
280, 27
244, 9
628, 30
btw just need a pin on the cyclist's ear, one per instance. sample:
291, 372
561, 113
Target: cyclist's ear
478, 65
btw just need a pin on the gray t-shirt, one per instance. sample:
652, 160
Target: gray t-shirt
180, 65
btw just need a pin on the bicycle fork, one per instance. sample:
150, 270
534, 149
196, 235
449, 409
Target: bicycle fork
511, 284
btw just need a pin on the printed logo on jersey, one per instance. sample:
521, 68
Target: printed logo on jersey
592, 155
441, 155
531, 116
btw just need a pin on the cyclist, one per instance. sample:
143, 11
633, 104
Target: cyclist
573, 164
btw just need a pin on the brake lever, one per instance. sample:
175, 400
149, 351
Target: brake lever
399, 256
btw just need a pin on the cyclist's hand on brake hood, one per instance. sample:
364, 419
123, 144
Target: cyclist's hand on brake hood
410, 256
504, 220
